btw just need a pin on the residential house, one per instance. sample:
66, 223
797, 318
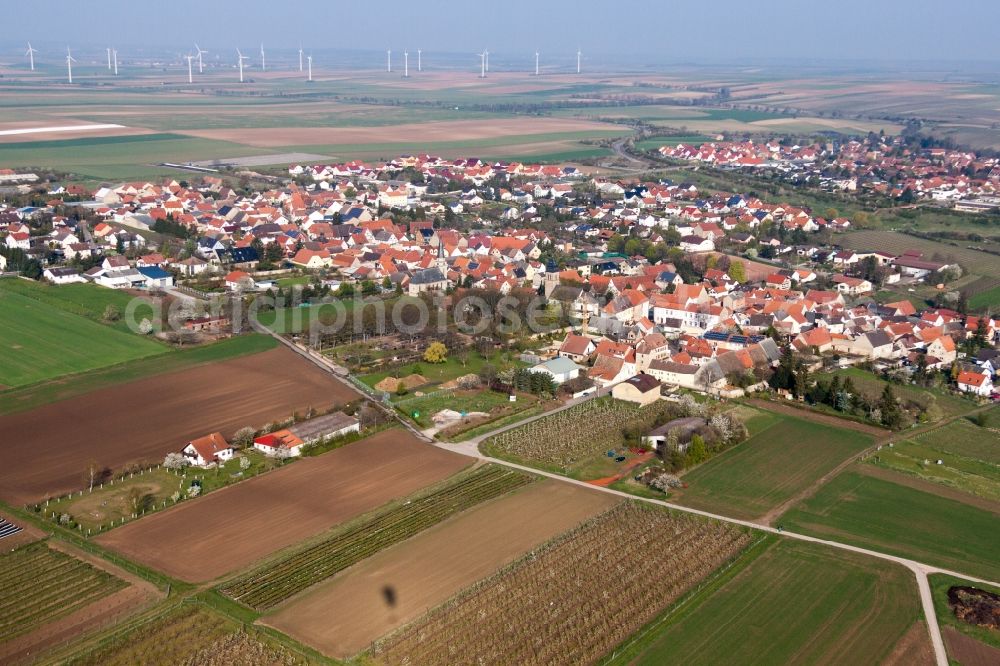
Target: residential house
642, 389
975, 382
208, 450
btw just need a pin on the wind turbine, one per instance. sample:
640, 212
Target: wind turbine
69, 64
201, 66
263, 62
190, 75
578, 60
241, 58
487, 52
109, 58
406, 64
420, 67
31, 56
300, 57
114, 59
482, 65
388, 60
310, 68
536, 62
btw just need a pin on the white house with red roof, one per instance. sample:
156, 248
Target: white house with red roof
972, 381
208, 450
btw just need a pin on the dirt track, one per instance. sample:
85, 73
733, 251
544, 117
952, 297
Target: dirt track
345, 615
145, 419
203, 539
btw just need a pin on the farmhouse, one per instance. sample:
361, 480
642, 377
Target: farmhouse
279, 443
679, 431
290, 442
642, 389
208, 450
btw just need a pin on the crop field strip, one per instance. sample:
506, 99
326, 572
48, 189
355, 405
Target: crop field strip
188, 635
973, 261
797, 602
572, 435
38, 585
598, 581
859, 508
272, 584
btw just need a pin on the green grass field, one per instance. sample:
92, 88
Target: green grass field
35, 395
795, 603
783, 458
969, 455
42, 341
986, 299
120, 157
87, 300
437, 373
657, 142
879, 514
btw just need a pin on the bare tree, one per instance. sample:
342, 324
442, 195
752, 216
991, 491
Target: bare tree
93, 471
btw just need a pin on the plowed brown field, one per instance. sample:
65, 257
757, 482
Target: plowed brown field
232, 528
46, 451
345, 615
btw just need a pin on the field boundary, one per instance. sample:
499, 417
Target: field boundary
624, 653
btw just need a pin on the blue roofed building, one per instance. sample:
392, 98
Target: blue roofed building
156, 278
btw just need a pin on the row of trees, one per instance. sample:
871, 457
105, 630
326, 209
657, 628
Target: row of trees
843, 397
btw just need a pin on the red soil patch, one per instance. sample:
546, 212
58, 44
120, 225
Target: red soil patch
345, 615
458, 130
232, 528
608, 480
145, 419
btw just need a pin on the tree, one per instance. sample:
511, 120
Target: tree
111, 313
93, 471
737, 271
176, 461
401, 389
436, 352
696, 452
244, 437
892, 415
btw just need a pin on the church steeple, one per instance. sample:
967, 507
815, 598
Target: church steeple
441, 262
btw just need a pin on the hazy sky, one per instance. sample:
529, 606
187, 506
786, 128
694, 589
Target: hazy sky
729, 31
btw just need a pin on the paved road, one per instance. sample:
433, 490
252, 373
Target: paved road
919, 569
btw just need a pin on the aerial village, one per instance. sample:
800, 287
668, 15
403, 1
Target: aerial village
694, 289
